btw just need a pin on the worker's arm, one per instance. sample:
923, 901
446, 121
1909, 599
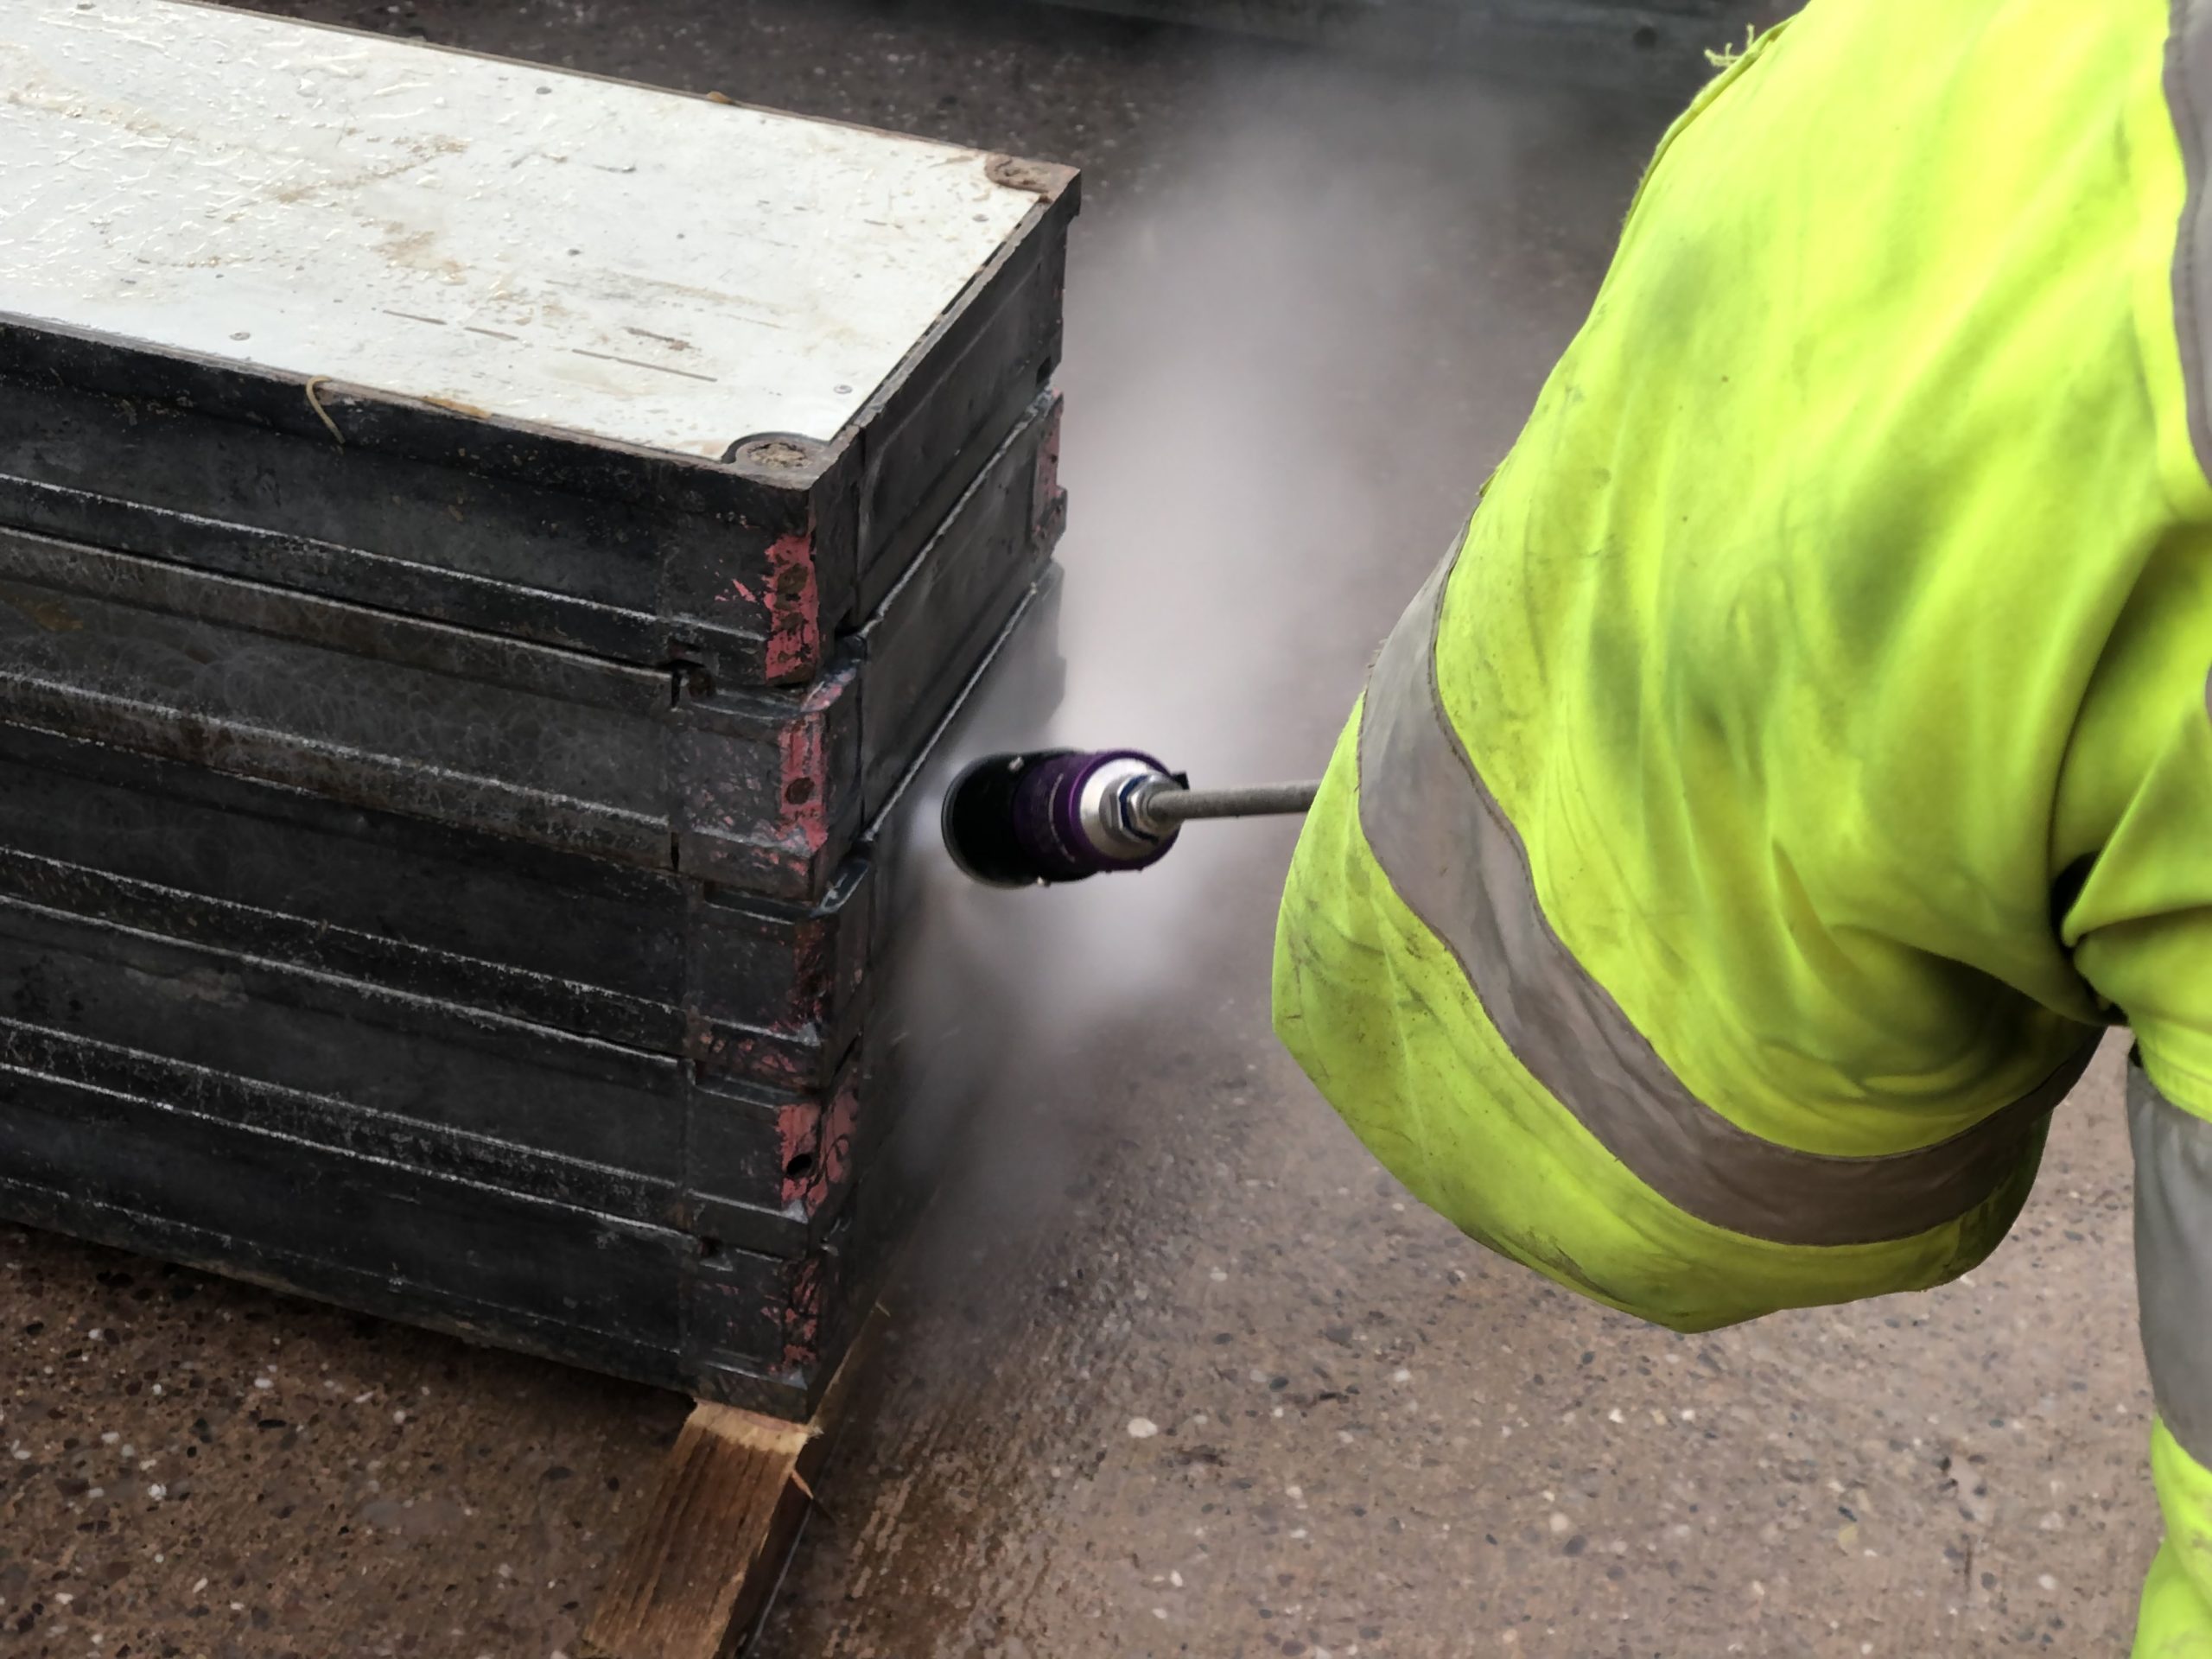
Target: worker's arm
2134, 828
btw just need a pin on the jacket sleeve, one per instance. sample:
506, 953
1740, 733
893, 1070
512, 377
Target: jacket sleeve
2133, 835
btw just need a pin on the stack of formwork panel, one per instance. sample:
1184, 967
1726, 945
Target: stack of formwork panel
484, 553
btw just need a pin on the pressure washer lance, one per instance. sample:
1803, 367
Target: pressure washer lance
1061, 815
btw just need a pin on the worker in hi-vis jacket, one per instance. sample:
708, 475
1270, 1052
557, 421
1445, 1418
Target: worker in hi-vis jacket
1748, 831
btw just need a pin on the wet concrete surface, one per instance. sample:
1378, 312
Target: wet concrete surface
1249, 1400
1174, 1368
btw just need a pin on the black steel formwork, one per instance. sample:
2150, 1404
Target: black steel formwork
453, 864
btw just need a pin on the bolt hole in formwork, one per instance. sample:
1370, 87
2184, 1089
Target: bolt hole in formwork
1645, 37
801, 1166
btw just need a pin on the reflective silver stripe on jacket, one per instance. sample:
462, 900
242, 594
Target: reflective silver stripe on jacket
2173, 1148
2188, 98
1443, 841
2173, 1257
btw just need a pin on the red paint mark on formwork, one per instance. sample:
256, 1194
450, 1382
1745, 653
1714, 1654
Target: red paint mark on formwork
794, 599
803, 1317
804, 786
812, 786
839, 1129
781, 1055
798, 1146
816, 1144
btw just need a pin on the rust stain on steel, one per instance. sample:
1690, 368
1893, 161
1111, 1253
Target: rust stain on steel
1038, 178
1046, 500
50, 614
777, 450
669, 340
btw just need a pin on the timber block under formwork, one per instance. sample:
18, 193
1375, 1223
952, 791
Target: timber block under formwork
495, 565
704, 1559
1656, 46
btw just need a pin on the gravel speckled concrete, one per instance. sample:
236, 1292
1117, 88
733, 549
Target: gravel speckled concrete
1176, 1369
198, 1467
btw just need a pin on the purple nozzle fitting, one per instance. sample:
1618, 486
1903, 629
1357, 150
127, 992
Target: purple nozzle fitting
1057, 815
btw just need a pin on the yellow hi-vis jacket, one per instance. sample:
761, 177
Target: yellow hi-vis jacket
1746, 832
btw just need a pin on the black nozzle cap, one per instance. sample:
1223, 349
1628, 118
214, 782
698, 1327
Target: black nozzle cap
982, 821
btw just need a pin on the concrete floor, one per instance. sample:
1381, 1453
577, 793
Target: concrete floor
1175, 1369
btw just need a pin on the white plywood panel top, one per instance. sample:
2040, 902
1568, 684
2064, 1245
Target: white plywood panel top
625, 264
